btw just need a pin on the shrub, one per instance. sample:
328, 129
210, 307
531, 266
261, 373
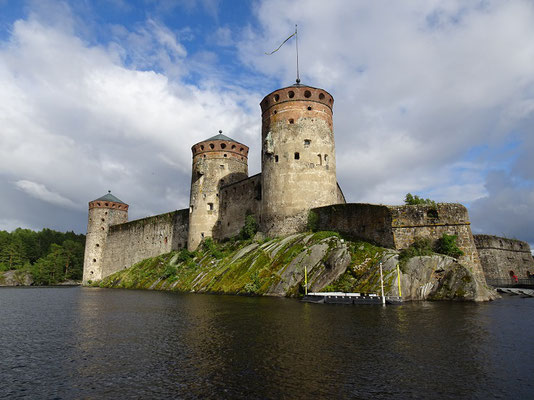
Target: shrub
420, 247
249, 229
185, 255
210, 246
313, 221
169, 272
413, 200
447, 245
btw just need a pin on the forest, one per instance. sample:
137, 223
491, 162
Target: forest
49, 256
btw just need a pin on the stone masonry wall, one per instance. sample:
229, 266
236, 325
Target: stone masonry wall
237, 200
500, 255
422, 221
399, 226
134, 241
369, 222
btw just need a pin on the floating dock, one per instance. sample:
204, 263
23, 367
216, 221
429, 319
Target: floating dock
348, 298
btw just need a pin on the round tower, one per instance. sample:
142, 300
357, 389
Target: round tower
298, 157
217, 161
103, 212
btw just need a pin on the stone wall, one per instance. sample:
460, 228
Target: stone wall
500, 255
422, 221
134, 241
399, 226
369, 222
237, 200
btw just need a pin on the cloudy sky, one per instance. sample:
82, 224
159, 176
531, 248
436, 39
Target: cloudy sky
435, 98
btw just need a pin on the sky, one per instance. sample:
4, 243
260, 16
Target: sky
434, 98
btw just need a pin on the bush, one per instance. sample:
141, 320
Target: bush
185, 255
413, 200
249, 229
210, 246
420, 247
313, 221
447, 245
169, 272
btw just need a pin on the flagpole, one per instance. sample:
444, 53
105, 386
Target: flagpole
297, 48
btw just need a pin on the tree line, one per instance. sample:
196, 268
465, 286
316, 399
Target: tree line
49, 256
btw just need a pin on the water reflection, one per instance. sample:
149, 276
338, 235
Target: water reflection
93, 343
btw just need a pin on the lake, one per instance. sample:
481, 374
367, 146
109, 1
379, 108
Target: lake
75, 342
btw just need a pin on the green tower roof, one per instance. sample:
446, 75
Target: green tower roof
110, 197
220, 136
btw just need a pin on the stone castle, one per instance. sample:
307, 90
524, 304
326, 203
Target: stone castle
298, 175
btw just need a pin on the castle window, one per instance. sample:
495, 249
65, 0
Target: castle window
223, 146
212, 146
321, 96
276, 97
274, 112
241, 150
106, 213
325, 158
201, 147
204, 156
307, 142
291, 94
210, 206
202, 235
225, 155
291, 121
297, 156
98, 204
94, 259
102, 228
307, 94
309, 108
106, 204
233, 146
97, 245
320, 159
276, 158
103, 220
221, 166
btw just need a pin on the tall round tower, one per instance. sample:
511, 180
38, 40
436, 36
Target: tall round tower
103, 212
298, 157
217, 161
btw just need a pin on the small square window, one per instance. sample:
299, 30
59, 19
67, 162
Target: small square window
307, 142
297, 156
210, 206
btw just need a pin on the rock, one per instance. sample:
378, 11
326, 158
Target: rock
16, 278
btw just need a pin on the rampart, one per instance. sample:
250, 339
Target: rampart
238, 200
134, 241
500, 255
398, 227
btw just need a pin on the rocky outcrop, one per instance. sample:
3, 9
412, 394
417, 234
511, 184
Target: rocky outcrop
16, 278
277, 267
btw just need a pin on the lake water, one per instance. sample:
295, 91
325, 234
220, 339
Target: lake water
104, 343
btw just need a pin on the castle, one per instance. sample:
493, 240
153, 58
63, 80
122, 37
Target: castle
298, 175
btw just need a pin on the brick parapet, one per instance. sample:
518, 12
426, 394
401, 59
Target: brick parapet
294, 93
108, 204
220, 149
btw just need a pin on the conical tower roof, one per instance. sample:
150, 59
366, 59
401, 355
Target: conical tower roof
110, 197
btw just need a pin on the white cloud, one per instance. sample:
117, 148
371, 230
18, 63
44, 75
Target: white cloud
41, 192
